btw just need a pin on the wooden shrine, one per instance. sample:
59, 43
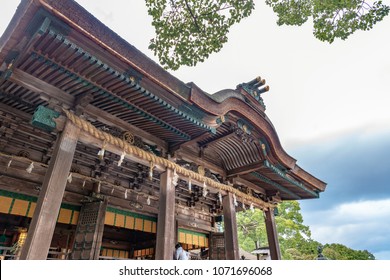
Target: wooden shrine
105, 155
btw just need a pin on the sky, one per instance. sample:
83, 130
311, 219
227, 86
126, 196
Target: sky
329, 104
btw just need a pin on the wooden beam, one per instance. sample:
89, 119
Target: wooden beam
201, 216
245, 169
124, 203
46, 90
272, 235
241, 181
221, 138
111, 120
165, 240
14, 111
18, 171
188, 222
191, 142
231, 235
92, 141
17, 185
190, 157
19, 181
23, 186
49, 201
82, 101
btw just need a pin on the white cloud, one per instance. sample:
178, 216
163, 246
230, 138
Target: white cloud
365, 210
356, 212
359, 225
317, 91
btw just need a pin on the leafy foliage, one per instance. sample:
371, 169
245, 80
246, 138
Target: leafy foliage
339, 19
341, 252
294, 12
188, 31
251, 229
294, 237
293, 234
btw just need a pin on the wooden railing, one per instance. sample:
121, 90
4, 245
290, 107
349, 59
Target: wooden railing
110, 258
6, 254
54, 254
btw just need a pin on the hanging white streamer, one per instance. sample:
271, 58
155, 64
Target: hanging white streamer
30, 168
205, 191
252, 208
175, 178
126, 194
220, 197
123, 154
9, 163
235, 200
100, 183
101, 153
151, 171
189, 185
69, 178
148, 200
83, 185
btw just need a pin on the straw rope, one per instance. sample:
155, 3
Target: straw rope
74, 174
133, 150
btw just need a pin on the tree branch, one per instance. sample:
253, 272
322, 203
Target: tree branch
193, 16
336, 15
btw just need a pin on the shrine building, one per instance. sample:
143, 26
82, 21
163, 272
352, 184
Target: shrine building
105, 155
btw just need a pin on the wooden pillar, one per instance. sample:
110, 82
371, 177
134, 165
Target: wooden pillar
176, 240
165, 243
272, 235
44, 220
231, 236
89, 232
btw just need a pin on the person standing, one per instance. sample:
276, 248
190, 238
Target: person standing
180, 253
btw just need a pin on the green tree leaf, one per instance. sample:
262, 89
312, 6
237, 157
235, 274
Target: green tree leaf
294, 236
188, 31
339, 19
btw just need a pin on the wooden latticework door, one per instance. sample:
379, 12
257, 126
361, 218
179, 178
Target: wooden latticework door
89, 232
217, 246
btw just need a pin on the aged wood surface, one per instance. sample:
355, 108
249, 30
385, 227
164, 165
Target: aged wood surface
245, 169
231, 235
165, 239
239, 180
272, 235
89, 232
49, 201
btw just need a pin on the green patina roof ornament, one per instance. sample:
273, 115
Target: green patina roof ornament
43, 118
255, 88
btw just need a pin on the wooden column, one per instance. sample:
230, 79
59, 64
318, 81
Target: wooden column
49, 201
231, 236
272, 235
165, 243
